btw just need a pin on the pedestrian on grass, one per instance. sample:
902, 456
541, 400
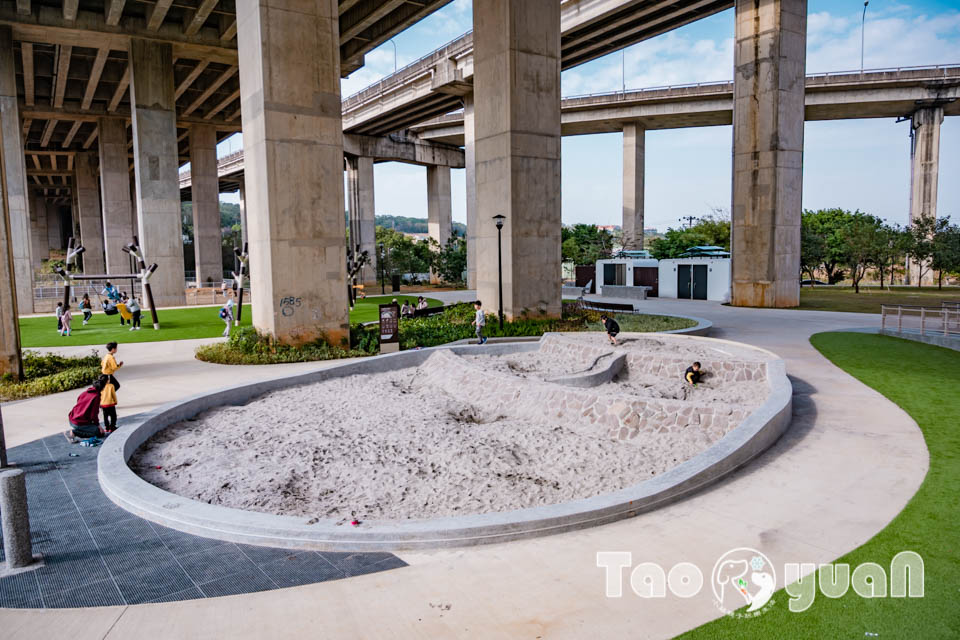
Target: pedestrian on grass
65, 319
86, 308
59, 311
693, 375
611, 327
226, 314
479, 322
134, 308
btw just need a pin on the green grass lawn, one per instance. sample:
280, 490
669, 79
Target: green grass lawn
175, 324
923, 380
869, 299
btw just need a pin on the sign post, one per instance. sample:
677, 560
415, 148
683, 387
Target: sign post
389, 328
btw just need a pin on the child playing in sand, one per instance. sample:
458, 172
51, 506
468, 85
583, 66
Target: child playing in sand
692, 375
611, 327
479, 321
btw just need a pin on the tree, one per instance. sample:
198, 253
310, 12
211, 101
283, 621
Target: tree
710, 230
450, 262
920, 243
888, 250
945, 255
813, 248
404, 256
584, 244
829, 225
862, 238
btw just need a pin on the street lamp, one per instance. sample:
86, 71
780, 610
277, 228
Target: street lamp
394, 54
499, 219
383, 290
863, 23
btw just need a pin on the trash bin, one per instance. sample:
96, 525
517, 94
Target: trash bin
395, 282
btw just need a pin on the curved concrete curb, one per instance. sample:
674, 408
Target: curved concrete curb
754, 435
702, 327
591, 378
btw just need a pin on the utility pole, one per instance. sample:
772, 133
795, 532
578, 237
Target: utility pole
689, 220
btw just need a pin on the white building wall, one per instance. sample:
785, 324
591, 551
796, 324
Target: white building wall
718, 277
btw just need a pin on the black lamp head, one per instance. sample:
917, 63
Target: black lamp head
499, 218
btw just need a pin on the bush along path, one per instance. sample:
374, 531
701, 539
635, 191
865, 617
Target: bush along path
923, 381
248, 347
49, 373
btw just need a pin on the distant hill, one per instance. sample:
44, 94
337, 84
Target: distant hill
404, 224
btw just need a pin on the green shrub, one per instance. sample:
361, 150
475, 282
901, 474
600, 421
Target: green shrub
247, 346
49, 373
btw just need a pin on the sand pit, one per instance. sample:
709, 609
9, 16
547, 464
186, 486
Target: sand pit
459, 434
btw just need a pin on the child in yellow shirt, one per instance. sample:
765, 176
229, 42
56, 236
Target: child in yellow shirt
108, 397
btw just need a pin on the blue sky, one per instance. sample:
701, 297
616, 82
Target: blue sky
849, 163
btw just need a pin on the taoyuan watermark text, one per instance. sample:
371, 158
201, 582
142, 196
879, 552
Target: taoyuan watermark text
745, 577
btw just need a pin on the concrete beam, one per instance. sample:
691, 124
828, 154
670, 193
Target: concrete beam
770, 55
409, 149
96, 70
119, 92
200, 17
293, 145
517, 124
71, 111
114, 11
226, 75
26, 55
156, 164
64, 54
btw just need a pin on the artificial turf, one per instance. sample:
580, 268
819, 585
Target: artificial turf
175, 324
925, 382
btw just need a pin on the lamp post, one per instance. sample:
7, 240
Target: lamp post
863, 24
394, 54
383, 289
499, 220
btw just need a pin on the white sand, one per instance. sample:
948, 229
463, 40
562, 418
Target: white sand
387, 446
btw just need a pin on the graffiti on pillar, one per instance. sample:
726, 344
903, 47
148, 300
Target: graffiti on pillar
289, 305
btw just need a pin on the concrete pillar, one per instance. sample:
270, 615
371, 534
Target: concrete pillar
363, 222
439, 213
469, 152
768, 114
293, 151
118, 230
633, 170
517, 129
15, 192
206, 205
924, 161
88, 209
242, 194
156, 160
38, 229
15, 519
54, 226
9, 325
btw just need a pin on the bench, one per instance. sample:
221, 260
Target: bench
619, 307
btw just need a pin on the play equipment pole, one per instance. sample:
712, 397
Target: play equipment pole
242, 258
145, 272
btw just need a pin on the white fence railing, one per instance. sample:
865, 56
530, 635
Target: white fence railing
943, 320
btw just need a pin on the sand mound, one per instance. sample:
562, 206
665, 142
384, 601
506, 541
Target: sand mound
457, 435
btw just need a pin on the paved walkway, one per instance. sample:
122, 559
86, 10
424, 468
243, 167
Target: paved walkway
849, 463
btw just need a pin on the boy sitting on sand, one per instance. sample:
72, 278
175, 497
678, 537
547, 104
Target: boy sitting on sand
611, 327
692, 375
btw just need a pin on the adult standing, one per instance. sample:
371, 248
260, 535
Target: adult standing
134, 308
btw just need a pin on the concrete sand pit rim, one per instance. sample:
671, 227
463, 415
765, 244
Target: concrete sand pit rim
758, 431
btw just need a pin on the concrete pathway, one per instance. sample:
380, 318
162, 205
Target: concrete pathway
848, 465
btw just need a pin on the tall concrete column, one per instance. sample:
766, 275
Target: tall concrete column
156, 160
633, 170
38, 229
363, 221
15, 173
205, 187
88, 209
242, 195
517, 128
9, 325
293, 152
115, 199
54, 226
768, 114
924, 161
470, 155
439, 212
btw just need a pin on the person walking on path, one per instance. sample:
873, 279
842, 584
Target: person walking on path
134, 308
226, 314
65, 321
59, 311
611, 327
479, 321
86, 308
